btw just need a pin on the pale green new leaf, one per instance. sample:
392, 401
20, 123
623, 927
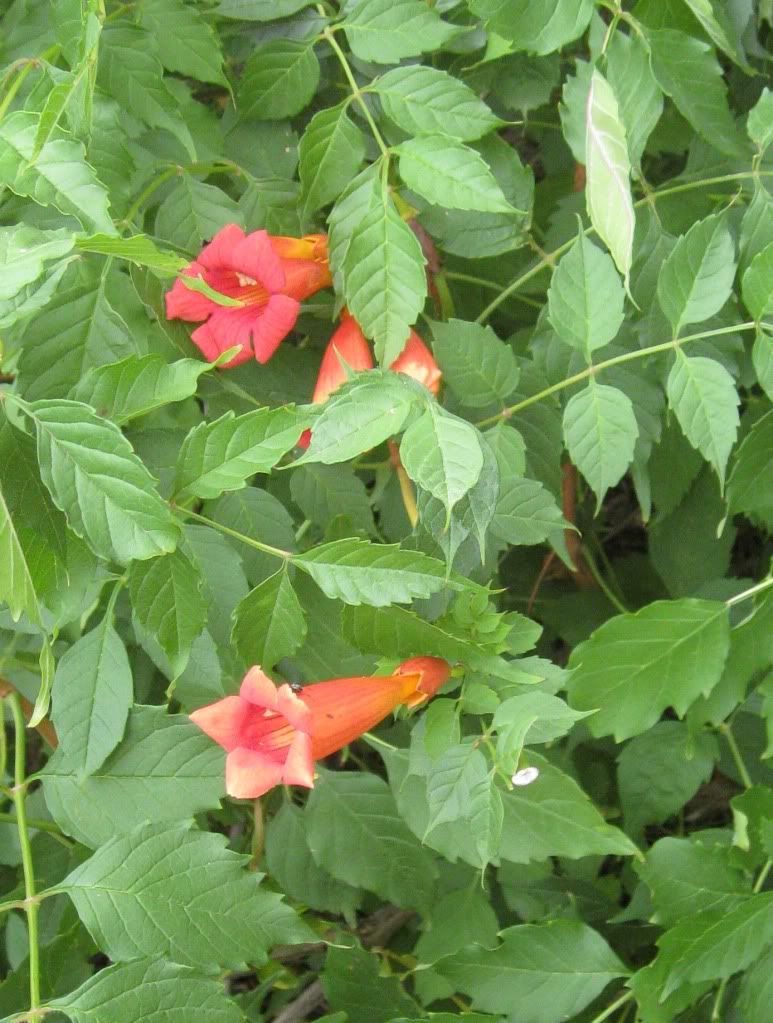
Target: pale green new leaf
59, 177
152, 990
550, 971
168, 605
358, 572
94, 477
539, 26
386, 31
166, 891
586, 298
608, 170
696, 278
447, 173
278, 80
384, 280
600, 430
269, 624
481, 369
442, 454
331, 151
636, 665
91, 696
425, 100
757, 284
704, 398
222, 455
186, 42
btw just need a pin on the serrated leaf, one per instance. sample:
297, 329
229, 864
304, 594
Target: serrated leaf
193, 212
696, 278
586, 298
185, 40
446, 172
549, 970
324, 492
600, 430
168, 605
165, 769
481, 369
17, 587
704, 398
688, 71
425, 100
357, 835
639, 99
24, 253
94, 477
608, 172
358, 572
442, 454
526, 513
162, 992
353, 982
91, 696
719, 26
752, 463
331, 151
222, 455
59, 177
757, 284
278, 80
458, 784
636, 665
386, 31
166, 891
268, 623
384, 280
360, 196
759, 123
261, 10
139, 249
539, 26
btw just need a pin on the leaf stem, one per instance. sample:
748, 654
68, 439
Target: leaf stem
277, 552
482, 282
589, 371
222, 166
25, 67
602, 583
751, 592
32, 822
735, 752
31, 901
606, 1013
762, 876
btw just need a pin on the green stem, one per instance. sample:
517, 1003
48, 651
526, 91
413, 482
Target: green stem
482, 282
606, 1013
752, 591
29, 65
717, 1009
31, 901
266, 548
762, 877
616, 361
32, 822
602, 583
735, 752
225, 167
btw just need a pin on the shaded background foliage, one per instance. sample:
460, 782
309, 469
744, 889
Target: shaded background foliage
572, 199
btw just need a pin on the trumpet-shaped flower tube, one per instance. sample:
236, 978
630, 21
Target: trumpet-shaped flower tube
269, 276
417, 361
274, 734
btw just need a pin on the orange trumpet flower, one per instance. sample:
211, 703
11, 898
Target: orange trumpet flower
273, 734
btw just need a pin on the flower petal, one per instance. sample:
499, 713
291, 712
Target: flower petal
226, 328
223, 721
219, 253
255, 257
299, 766
248, 773
347, 347
275, 322
184, 304
258, 689
293, 709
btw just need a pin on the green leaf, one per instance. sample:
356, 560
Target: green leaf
639, 99
59, 177
168, 605
481, 369
719, 26
751, 466
360, 196
24, 253
130, 72
331, 151
224, 454
759, 123
756, 989
166, 891
324, 492
608, 170
95, 478
696, 278
586, 298
442, 454
636, 665
384, 280
165, 769
17, 587
352, 981
386, 31
446, 172
712, 945
358, 572
539, 26
193, 212
138, 249
688, 71
757, 284
703, 396
762, 359
278, 80
600, 430
554, 817
186, 42
426, 100
457, 788
92, 694
526, 513
549, 970
269, 624
163, 992
357, 835
261, 10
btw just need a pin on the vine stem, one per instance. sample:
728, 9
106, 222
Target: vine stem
762, 876
622, 1000
735, 752
751, 592
221, 167
590, 371
31, 901
277, 552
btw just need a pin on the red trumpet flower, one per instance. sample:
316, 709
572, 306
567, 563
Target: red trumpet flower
417, 361
268, 275
274, 734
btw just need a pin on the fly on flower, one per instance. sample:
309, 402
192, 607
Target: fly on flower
269, 276
273, 734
